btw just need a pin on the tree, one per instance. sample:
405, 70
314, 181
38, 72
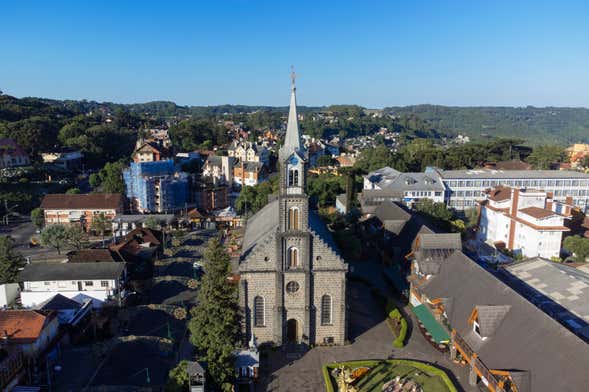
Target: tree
73, 191
178, 378
10, 260
76, 238
578, 245
111, 177
37, 217
151, 222
100, 224
94, 180
542, 157
324, 160
55, 236
214, 325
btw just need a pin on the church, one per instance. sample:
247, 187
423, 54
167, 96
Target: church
292, 278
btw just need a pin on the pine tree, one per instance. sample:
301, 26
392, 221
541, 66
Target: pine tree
214, 325
10, 260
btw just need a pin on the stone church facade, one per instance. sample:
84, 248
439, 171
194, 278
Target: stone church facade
292, 279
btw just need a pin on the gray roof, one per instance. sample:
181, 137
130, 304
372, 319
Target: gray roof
392, 216
440, 241
490, 317
525, 340
60, 302
413, 182
266, 221
490, 173
292, 139
39, 272
565, 285
137, 218
382, 173
260, 225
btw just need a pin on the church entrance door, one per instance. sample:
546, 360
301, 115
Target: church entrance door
291, 331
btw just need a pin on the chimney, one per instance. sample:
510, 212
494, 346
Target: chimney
514, 201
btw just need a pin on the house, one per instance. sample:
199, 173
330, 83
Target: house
65, 158
8, 293
249, 152
99, 255
341, 203
99, 281
577, 152
507, 343
68, 311
247, 364
124, 223
141, 244
156, 186
409, 187
32, 331
81, 208
12, 155
150, 151
249, 173
345, 160
212, 197
219, 169
525, 222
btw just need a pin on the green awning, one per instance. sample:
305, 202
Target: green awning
429, 322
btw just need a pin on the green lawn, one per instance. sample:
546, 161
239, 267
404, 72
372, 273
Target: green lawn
430, 378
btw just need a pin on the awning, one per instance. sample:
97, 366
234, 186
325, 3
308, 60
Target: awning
438, 333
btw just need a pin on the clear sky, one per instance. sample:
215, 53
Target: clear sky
369, 53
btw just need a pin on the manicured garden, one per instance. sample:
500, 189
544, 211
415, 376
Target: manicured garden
385, 375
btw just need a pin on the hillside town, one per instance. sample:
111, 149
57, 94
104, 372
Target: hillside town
326, 261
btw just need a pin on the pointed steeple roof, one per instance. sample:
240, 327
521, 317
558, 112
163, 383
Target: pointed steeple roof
292, 140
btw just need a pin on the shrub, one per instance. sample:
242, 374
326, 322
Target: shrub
399, 342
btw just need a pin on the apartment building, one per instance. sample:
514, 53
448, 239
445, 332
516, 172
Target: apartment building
156, 186
81, 208
524, 221
465, 187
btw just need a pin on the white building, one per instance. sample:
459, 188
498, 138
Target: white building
408, 188
465, 187
249, 152
462, 189
98, 281
219, 169
523, 221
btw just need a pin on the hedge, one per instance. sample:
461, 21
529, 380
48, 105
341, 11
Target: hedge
429, 369
399, 342
395, 314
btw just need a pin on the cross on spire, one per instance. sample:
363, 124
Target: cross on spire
293, 76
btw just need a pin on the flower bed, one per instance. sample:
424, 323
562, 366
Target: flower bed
428, 377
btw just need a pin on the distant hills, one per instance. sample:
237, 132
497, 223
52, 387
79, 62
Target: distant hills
549, 125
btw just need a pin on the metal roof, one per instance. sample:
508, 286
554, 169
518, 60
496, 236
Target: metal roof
41, 272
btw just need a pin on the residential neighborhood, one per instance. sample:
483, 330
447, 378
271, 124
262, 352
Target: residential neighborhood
404, 209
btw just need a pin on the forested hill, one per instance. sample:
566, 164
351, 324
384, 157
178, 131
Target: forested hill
536, 125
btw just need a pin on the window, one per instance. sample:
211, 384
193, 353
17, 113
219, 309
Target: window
104, 283
293, 177
46, 283
292, 287
326, 310
89, 283
293, 257
259, 312
476, 327
293, 218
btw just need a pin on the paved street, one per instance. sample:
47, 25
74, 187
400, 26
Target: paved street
289, 370
143, 346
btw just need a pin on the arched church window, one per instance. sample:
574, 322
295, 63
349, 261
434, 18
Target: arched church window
326, 310
293, 177
293, 218
293, 257
259, 312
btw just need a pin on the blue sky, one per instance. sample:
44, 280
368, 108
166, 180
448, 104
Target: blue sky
370, 53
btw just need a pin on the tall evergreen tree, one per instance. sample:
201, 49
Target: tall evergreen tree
214, 325
10, 260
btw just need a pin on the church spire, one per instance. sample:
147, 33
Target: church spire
292, 140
